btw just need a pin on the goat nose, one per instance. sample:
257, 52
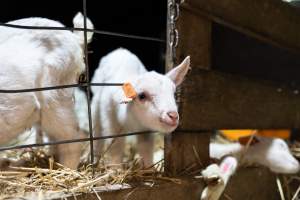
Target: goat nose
173, 115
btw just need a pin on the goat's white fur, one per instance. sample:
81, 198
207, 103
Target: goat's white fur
111, 117
270, 152
273, 153
223, 172
41, 58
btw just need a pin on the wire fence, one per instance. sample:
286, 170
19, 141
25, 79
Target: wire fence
59, 87
86, 84
73, 141
101, 32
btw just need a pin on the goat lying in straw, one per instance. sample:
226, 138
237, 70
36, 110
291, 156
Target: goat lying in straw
273, 153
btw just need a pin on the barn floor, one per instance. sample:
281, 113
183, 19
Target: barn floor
56, 180
53, 181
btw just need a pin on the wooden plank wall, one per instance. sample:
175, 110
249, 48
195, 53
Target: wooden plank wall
220, 100
272, 21
212, 100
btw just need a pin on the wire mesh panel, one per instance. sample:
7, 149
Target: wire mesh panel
84, 84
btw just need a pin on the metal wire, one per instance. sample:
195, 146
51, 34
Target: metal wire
88, 88
59, 87
86, 84
74, 140
110, 136
101, 32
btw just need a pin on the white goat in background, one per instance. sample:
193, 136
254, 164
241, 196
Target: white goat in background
41, 58
272, 153
154, 108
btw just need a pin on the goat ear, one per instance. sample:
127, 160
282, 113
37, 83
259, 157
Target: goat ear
78, 22
228, 165
178, 73
129, 93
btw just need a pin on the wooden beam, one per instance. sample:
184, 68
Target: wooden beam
194, 39
243, 185
186, 153
275, 22
215, 100
187, 189
252, 183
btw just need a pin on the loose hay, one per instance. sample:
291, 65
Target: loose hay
20, 182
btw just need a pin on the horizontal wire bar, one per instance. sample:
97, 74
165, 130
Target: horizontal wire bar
94, 138
59, 87
104, 84
74, 140
88, 30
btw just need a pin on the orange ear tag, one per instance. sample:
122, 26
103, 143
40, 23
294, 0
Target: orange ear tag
129, 92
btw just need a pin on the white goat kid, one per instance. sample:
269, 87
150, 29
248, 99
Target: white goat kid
41, 58
153, 109
273, 153
269, 152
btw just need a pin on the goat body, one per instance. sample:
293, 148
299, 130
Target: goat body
273, 153
154, 108
41, 58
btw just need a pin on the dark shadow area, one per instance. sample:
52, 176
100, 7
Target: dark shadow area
237, 53
144, 18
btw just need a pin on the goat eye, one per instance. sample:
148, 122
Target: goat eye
142, 96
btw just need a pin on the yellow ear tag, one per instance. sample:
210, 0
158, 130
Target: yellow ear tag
129, 92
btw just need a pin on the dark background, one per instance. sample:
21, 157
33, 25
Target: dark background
236, 53
232, 52
144, 18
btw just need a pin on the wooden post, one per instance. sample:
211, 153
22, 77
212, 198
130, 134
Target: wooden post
188, 151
